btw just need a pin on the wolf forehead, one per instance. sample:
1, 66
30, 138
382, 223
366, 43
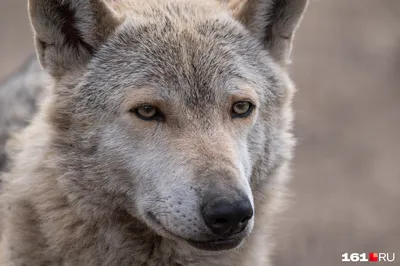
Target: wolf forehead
204, 58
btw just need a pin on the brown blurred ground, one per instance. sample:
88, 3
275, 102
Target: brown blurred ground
346, 190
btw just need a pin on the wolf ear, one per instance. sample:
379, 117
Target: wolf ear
274, 22
68, 32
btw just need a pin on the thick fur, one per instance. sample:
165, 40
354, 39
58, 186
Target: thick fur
19, 97
90, 183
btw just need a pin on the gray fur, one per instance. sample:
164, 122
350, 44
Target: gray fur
19, 96
92, 184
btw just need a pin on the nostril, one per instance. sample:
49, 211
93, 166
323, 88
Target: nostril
219, 224
245, 219
221, 221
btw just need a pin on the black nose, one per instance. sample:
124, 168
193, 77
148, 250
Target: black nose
225, 217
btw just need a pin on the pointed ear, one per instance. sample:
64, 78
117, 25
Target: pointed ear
68, 32
274, 22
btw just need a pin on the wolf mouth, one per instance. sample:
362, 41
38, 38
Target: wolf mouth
210, 245
216, 245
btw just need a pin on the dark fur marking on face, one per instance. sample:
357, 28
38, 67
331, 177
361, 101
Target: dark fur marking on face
61, 119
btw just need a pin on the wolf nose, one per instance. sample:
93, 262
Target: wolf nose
225, 217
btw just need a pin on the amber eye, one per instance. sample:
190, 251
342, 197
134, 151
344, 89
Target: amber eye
148, 112
242, 109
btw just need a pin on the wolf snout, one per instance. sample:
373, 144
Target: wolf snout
225, 217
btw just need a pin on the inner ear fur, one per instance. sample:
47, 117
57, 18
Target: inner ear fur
68, 32
273, 22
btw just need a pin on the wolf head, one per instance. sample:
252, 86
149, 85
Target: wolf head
175, 112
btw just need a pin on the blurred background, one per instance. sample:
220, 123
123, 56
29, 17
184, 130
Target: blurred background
346, 186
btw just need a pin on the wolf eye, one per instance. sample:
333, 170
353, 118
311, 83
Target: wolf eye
242, 109
148, 112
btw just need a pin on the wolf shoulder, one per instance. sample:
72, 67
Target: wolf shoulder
20, 97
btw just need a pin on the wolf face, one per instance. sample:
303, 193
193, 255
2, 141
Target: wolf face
166, 109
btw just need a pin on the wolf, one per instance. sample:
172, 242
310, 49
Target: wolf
163, 138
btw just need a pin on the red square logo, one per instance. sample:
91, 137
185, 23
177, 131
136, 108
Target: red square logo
373, 256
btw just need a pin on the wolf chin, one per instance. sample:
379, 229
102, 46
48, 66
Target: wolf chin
163, 135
